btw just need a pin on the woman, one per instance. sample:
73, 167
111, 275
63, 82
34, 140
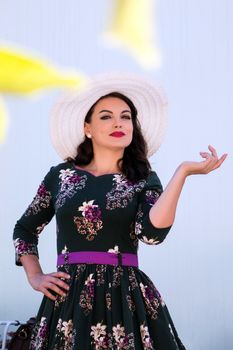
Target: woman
106, 198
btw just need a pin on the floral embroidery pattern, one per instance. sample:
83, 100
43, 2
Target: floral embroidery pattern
90, 222
39, 338
152, 303
65, 334
122, 192
155, 290
132, 279
122, 340
133, 235
118, 339
40, 201
114, 250
87, 295
69, 183
59, 300
100, 270
131, 303
138, 229
40, 228
24, 248
108, 299
80, 269
146, 339
117, 273
101, 340
151, 197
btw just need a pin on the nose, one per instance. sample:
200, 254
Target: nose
117, 123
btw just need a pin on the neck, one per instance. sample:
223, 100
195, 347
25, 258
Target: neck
105, 163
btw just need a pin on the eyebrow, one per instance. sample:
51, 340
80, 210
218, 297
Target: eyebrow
106, 110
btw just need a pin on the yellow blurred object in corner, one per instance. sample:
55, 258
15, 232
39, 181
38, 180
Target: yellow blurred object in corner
23, 74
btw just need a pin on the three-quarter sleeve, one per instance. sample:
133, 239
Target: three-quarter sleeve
144, 229
37, 215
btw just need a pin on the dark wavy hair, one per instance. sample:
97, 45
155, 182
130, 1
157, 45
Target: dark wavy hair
134, 163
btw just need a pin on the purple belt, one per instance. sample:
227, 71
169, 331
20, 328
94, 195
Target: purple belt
93, 257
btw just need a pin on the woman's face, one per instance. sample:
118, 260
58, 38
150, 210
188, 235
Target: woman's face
111, 114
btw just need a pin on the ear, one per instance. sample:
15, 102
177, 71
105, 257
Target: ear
86, 128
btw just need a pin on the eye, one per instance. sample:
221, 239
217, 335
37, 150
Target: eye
105, 116
126, 116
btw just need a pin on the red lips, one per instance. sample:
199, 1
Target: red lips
117, 134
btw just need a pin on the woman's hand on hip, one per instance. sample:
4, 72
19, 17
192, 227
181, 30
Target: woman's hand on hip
211, 163
51, 281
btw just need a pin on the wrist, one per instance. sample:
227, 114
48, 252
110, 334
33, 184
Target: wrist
183, 170
32, 274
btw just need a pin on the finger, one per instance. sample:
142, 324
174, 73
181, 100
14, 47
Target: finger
62, 284
58, 282
209, 157
55, 289
206, 155
60, 274
48, 294
213, 150
221, 160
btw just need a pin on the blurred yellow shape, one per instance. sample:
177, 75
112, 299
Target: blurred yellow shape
3, 121
132, 27
22, 74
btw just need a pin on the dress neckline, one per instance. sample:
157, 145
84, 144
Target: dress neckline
76, 167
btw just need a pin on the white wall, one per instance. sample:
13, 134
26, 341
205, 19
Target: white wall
193, 268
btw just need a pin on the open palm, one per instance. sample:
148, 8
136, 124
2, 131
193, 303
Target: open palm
211, 163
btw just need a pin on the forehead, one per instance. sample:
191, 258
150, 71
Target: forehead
111, 103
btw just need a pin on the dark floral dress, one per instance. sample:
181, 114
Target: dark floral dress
107, 306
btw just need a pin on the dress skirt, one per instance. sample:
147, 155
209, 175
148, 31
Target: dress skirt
106, 307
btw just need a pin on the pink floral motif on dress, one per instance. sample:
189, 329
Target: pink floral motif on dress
91, 221
39, 338
40, 201
151, 301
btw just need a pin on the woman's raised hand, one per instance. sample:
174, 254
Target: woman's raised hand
51, 281
211, 163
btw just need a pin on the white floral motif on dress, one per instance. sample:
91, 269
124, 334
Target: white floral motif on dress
122, 192
138, 229
115, 340
114, 250
65, 334
64, 250
69, 183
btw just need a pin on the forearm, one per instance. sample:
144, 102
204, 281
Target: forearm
31, 265
162, 214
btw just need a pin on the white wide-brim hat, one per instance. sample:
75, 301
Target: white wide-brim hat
67, 116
